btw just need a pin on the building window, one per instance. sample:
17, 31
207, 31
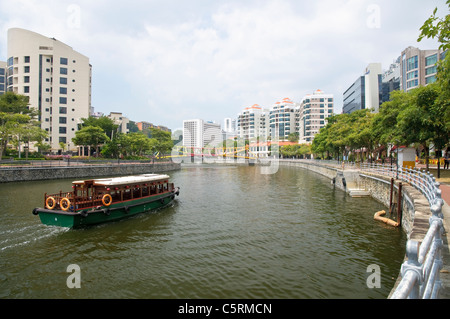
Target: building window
430, 79
26, 89
62, 130
26, 69
27, 59
63, 61
431, 70
63, 70
412, 75
62, 139
62, 100
62, 90
412, 63
431, 60
26, 79
62, 120
412, 83
62, 110
62, 80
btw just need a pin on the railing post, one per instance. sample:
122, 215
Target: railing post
413, 265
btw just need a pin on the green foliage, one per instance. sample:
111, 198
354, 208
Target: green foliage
295, 150
92, 136
163, 141
17, 122
435, 27
104, 122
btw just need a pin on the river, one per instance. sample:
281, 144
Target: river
232, 233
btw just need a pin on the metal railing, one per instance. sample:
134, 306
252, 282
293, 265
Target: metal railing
420, 273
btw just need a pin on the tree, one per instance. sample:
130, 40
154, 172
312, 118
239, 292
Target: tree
90, 136
11, 102
163, 141
138, 143
104, 122
435, 27
17, 121
293, 137
422, 120
31, 132
439, 28
9, 126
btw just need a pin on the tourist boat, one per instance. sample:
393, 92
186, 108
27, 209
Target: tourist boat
95, 201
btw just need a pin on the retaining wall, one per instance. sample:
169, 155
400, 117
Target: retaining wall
21, 174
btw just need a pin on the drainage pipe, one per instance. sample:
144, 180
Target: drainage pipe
385, 220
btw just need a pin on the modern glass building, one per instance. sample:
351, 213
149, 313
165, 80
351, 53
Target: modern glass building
355, 96
3, 70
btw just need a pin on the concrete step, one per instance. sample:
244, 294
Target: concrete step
358, 192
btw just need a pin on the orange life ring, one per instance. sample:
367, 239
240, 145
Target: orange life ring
64, 204
107, 200
50, 202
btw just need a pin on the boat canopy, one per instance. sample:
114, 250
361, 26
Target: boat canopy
125, 180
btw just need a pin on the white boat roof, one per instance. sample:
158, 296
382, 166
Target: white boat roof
126, 179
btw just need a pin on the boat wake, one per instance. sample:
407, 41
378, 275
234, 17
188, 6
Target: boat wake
26, 235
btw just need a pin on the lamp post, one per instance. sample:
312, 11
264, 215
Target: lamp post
396, 142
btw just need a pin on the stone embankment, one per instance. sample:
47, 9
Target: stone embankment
22, 174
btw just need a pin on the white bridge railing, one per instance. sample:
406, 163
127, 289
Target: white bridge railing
420, 273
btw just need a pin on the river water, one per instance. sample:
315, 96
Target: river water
232, 233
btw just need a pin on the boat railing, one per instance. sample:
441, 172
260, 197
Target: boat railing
78, 202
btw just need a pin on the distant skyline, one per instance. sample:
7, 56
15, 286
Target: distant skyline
168, 61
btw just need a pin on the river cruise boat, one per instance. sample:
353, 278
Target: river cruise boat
95, 201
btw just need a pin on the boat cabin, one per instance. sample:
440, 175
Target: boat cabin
104, 192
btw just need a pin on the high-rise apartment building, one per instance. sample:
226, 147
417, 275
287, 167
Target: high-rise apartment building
252, 122
282, 119
418, 67
313, 110
57, 80
198, 133
3, 71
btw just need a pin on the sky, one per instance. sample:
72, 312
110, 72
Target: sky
168, 61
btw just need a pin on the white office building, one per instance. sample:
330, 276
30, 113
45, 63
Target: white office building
373, 80
197, 133
418, 67
57, 80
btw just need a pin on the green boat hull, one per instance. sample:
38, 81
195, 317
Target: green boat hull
103, 214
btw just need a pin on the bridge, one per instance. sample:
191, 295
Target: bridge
213, 152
